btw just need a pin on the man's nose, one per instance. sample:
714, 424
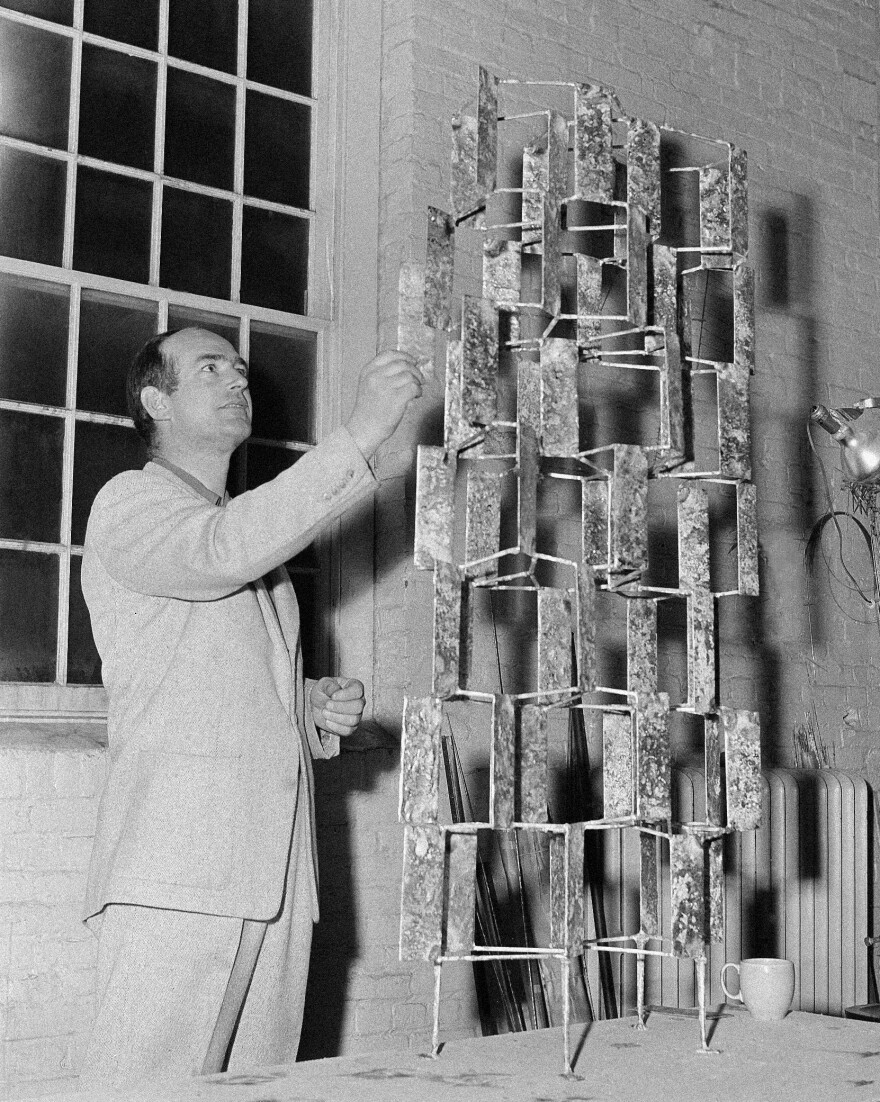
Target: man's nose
238, 381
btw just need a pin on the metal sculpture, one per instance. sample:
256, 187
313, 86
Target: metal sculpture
560, 306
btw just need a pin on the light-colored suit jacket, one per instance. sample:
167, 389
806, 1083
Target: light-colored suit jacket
210, 733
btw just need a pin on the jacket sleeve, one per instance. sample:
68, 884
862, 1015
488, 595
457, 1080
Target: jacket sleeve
153, 538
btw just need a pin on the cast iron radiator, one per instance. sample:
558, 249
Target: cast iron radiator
798, 887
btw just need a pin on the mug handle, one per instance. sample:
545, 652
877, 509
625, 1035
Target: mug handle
730, 994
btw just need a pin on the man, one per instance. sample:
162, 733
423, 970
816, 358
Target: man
202, 883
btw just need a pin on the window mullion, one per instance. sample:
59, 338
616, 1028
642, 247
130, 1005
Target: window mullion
67, 485
159, 145
72, 136
238, 170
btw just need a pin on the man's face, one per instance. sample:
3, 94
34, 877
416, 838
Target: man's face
211, 407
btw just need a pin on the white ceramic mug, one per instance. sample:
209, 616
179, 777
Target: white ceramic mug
766, 986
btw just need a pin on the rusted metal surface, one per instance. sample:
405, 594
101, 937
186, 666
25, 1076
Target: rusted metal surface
589, 299
502, 272
595, 521
701, 650
461, 879
420, 769
554, 641
567, 889
447, 628
643, 171
636, 268
533, 764
618, 765
501, 775
551, 256
628, 512
435, 498
672, 446
665, 274
744, 317
421, 915
693, 536
641, 645
482, 519
715, 890
739, 202
686, 873
649, 885
527, 465
465, 193
742, 745
413, 335
712, 758
734, 430
653, 758
560, 421
479, 361
439, 268
528, 392
585, 634
487, 131
715, 207
747, 538
594, 168
535, 174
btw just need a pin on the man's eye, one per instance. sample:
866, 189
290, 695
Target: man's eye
210, 367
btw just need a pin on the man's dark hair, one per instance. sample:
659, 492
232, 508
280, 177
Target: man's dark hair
150, 367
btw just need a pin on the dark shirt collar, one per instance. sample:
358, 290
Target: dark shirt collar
191, 481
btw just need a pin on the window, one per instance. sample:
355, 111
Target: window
158, 168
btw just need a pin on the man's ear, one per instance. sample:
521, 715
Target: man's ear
155, 402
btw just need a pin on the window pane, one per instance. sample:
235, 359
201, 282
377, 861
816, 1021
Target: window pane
33, 340
56, 11
276, 150
28, 629
101, 451
274, 260
32, 198
112, 227
181, 317
265, 462
135, 23
83, 661
199, 129
30, 476
117, 108
34, 84
111, 330
280, 44
204, 31
282, 374
196, 243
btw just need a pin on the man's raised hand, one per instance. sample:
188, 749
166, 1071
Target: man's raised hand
387, 385
337, 704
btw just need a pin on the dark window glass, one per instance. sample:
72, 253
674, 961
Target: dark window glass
282, 373
34, 84
205, 32
55, 11
199, 129
83, 660
111, 330
117, 114
279, 49
196, 243
276, 150
182, 317
100, 452
33, 340
32, 199
265, 462
30, 476
137, 24
28, 629
274, 260
112, 226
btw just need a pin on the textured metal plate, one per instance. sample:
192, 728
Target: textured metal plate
643, 171
744, 317
636, 268
653, 758
701, 650
567, 889
527, 513
585, 637
461, 876
554, 641
714, 207
649, 885
593, 157
560, 420
413, 335
618, 764
641, 645
501, 777
479, 361
742, 744
533, 764
715, 893
628, 513
734, 429
502, 272
551, 256
686, 874
435, 499
535, 174
447, 629
589, 298
528, 391
665, 268
672, 422
595, 521
466, 194
693, 536
420, 769
712, 755
439, 268
487, 131
421, 912
747, 538
739, 202
482, 519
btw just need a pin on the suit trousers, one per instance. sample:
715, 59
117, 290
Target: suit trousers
174, 988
